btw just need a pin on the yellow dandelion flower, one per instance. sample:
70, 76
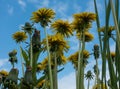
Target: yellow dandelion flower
19, 36
86, 54
85, 17
40, 84
98, 86
82, 21
74, 57
88, 36
110, 30
41, 67
62, 27
63, 59
4, 73
43, 16
45, 61
56, 43
78, 26
112, 54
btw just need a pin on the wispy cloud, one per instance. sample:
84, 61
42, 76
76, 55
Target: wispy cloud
22, 4
77, 8
3, 62
60, 9
67, 82
45, 3
90, 6
34, 1
10, 10
38, 4
74, 43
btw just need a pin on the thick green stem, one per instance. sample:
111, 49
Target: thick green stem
115, 22
88, 83
21, 60
49, 61
55, 81
97, 75
31, 52
78, 75
113, 78
76, 79
81, 85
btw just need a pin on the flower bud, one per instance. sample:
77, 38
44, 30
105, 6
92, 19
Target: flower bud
96, 51
13, 75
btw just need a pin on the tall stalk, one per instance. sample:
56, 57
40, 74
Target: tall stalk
55, 82
115, 22
98, 25
115, 12
49, 60
97, 74
76, 72
31, 52
113, 78
79, 56
81, 65
21, 60
102, 48
88, 83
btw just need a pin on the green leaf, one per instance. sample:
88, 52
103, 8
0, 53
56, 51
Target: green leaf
24, 55
60, 69
34, 65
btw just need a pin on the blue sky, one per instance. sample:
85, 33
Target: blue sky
14, 13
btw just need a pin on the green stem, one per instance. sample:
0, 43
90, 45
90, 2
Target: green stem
49, 61
79, 56
55, 82
31, 52
81, 85
13, 65
97, 75
88, 83
116, 23
76, 79
113, 78
21, 60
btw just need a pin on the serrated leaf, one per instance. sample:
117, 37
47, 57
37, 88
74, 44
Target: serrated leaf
24, 55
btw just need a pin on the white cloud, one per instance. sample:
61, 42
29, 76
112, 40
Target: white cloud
10, 10
75, 43
33, 1
77, 8
22, 4
38, 4
3, 61
67, 82
45, 3
90, 6
61, 9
